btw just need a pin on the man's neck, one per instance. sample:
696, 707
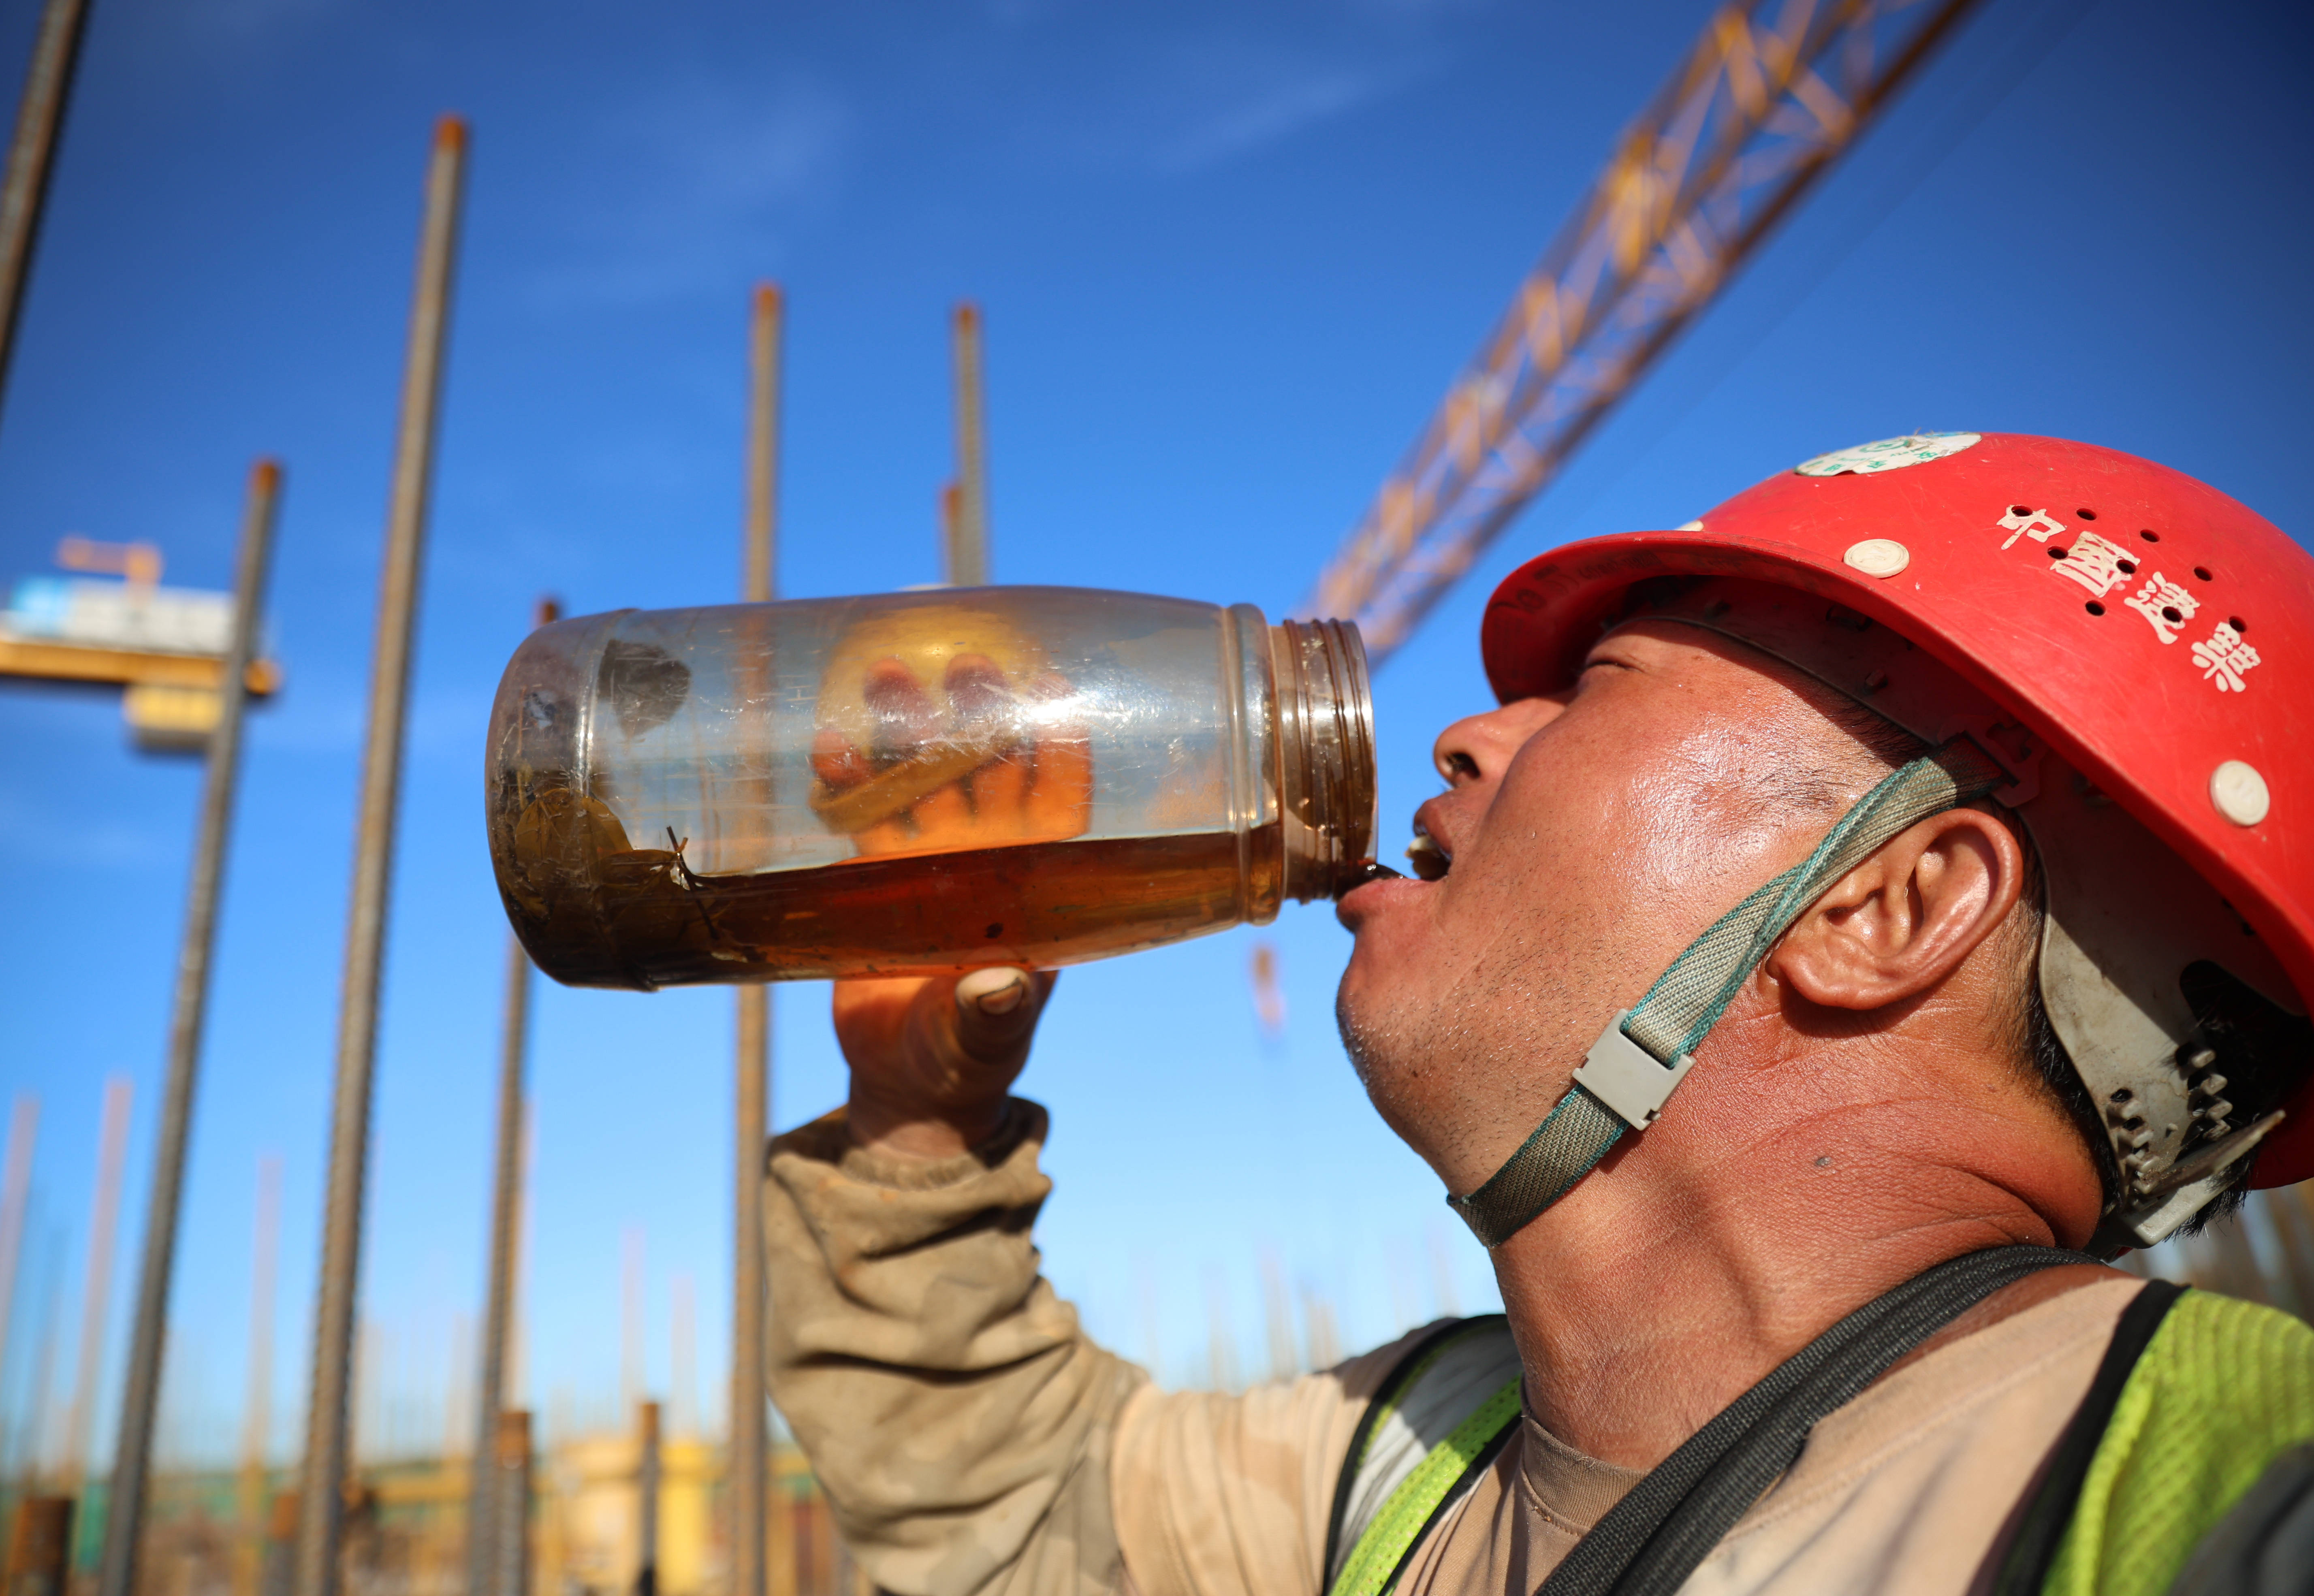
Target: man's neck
1660, 1291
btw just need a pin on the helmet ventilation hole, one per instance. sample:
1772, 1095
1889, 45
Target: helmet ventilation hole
2085, 515
2094, 608
2237, 624
2150, 537
2201, 571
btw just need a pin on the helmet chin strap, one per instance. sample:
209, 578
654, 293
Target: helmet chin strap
1647, 1050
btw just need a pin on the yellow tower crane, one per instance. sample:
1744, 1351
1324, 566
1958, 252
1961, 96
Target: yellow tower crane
1770, 94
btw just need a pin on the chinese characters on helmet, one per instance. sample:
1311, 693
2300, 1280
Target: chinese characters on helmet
2099, 567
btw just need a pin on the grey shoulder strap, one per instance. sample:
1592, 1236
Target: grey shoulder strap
1432, 1391
2264, 1544
1661, 1531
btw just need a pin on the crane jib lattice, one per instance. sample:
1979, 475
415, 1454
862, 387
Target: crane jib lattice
1761, 105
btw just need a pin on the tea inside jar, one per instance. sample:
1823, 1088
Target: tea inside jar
1041, 904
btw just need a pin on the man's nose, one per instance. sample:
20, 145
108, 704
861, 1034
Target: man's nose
1479, 747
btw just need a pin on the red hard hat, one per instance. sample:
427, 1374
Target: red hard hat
2143, 626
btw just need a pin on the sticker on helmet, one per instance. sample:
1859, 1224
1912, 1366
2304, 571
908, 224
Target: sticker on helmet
1915, 448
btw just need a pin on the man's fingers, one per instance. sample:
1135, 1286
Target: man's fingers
1059, 804
943, 817
977, 692
1029, 780
999, 788
837, 761
905, 718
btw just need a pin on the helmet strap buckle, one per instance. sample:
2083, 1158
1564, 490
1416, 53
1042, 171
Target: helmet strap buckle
1628, 1079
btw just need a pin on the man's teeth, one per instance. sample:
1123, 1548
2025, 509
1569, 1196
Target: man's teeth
1430, 861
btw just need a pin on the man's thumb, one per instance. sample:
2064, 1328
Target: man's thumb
996, 1010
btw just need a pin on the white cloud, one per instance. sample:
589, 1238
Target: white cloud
1266, 113
449, 722
1222, 93
30, 834
695, 185
244, 19
746, 152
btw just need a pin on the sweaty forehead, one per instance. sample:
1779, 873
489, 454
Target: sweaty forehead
1721, 673
1669, 694
1860, 675
1718, 660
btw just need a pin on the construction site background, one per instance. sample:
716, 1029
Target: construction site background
220, 1531
215, 1532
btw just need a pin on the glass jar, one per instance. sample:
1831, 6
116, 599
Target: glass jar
914, 782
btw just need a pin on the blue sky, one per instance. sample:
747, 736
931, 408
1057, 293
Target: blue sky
1230, 256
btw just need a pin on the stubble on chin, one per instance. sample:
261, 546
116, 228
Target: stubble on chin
1392, 1051
1361, 1040
1456, 1072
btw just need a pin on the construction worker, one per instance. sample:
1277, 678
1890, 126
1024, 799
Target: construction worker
1872, 906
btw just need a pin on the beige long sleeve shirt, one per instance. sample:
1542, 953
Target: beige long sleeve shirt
973, 1439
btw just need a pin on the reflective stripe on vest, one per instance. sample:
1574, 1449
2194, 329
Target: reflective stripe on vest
1437, 1418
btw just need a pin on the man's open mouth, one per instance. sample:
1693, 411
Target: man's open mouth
1430, 861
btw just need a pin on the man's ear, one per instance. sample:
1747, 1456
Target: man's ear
1905, 919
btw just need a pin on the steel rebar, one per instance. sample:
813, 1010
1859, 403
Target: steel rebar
132, 1457
321, 1496
506, 1188
257, 1417
510, 1470
760, 580
30, 1439
96, 1280
967, 528
646, 1489
15, 1199
749, 1448
31, 157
